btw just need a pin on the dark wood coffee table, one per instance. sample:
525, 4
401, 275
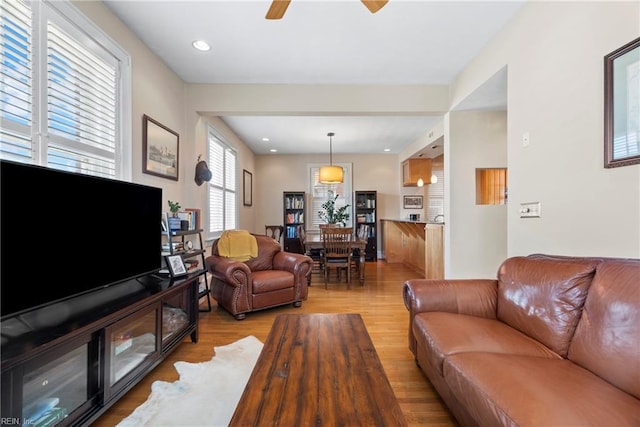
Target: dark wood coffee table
318, 370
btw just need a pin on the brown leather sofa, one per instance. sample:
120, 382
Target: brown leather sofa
553, 341
271, 279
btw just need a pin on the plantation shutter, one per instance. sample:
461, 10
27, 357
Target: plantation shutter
81, 105
16, 85
222, 187
436, 196
65, 90
320, 193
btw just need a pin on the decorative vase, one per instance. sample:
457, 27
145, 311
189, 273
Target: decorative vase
174, 223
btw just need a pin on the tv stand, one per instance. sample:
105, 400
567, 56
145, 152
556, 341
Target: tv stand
68, 362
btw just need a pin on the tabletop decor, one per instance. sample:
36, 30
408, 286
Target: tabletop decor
332, 215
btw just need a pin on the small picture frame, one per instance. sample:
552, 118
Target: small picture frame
247, 186
176, 266
412, 202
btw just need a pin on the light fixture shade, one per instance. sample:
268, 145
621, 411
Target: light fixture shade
434, 178
331, 174
420, 182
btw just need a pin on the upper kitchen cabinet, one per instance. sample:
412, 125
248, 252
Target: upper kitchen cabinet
414, 170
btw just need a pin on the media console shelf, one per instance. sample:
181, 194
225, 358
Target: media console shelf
67, 363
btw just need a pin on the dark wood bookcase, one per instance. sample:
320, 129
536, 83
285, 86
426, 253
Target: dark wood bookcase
293, 218
365, 203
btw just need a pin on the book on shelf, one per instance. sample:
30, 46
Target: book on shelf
194, 219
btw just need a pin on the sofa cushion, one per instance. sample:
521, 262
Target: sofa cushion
271, 280
544, 297
607, 339
509, 390
445, 334
267, 249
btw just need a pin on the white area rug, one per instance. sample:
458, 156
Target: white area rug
206, 394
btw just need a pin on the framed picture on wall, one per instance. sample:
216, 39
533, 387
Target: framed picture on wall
247, 185
160, 154
412, 202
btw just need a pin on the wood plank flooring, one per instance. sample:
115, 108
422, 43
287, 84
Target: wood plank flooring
379, 302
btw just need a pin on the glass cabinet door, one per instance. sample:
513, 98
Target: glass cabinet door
53, 390
176, 312
131, 343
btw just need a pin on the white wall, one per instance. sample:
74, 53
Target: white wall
156, 91
554, 52
278, 173
475, 235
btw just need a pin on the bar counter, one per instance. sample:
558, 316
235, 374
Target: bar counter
416, 244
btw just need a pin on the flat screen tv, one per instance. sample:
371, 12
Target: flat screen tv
65, 234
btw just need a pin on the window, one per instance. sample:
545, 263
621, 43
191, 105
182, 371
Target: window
65, 91
436, 195
320, 193
491, 186
222, 187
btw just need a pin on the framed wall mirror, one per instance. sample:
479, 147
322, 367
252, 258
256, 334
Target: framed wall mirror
622, 106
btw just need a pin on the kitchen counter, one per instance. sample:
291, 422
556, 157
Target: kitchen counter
416, 244
403, 242
415, 222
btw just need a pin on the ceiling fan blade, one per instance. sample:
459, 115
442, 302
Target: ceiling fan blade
277, 9
374, 5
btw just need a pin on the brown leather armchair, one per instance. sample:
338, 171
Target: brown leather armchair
273, 278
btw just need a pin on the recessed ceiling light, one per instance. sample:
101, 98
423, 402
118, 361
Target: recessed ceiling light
387, 149
265, 139
201, 45
273, 150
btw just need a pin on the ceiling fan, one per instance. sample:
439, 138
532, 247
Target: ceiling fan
279, 7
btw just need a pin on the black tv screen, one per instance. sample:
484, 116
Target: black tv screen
64, 234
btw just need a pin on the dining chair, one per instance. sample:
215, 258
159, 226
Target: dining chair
274, 231
337, 251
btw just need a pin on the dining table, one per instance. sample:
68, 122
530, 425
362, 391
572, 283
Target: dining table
314, 241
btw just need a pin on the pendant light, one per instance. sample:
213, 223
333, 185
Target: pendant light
331, 174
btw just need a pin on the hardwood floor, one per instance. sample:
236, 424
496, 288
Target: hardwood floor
379, 302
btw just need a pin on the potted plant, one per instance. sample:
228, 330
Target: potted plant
174, 220
331, 215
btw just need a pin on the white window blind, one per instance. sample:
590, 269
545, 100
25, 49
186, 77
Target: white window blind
16, 84
221, 187
436, 196
76, 122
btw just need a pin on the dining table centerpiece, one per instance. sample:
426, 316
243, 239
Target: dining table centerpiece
331, 214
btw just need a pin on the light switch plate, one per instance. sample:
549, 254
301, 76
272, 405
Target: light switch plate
530, 210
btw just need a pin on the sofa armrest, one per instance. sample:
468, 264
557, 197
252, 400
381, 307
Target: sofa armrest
299, 265
289, 261
463, 296
235, 273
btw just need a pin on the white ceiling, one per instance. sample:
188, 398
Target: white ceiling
322, 42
